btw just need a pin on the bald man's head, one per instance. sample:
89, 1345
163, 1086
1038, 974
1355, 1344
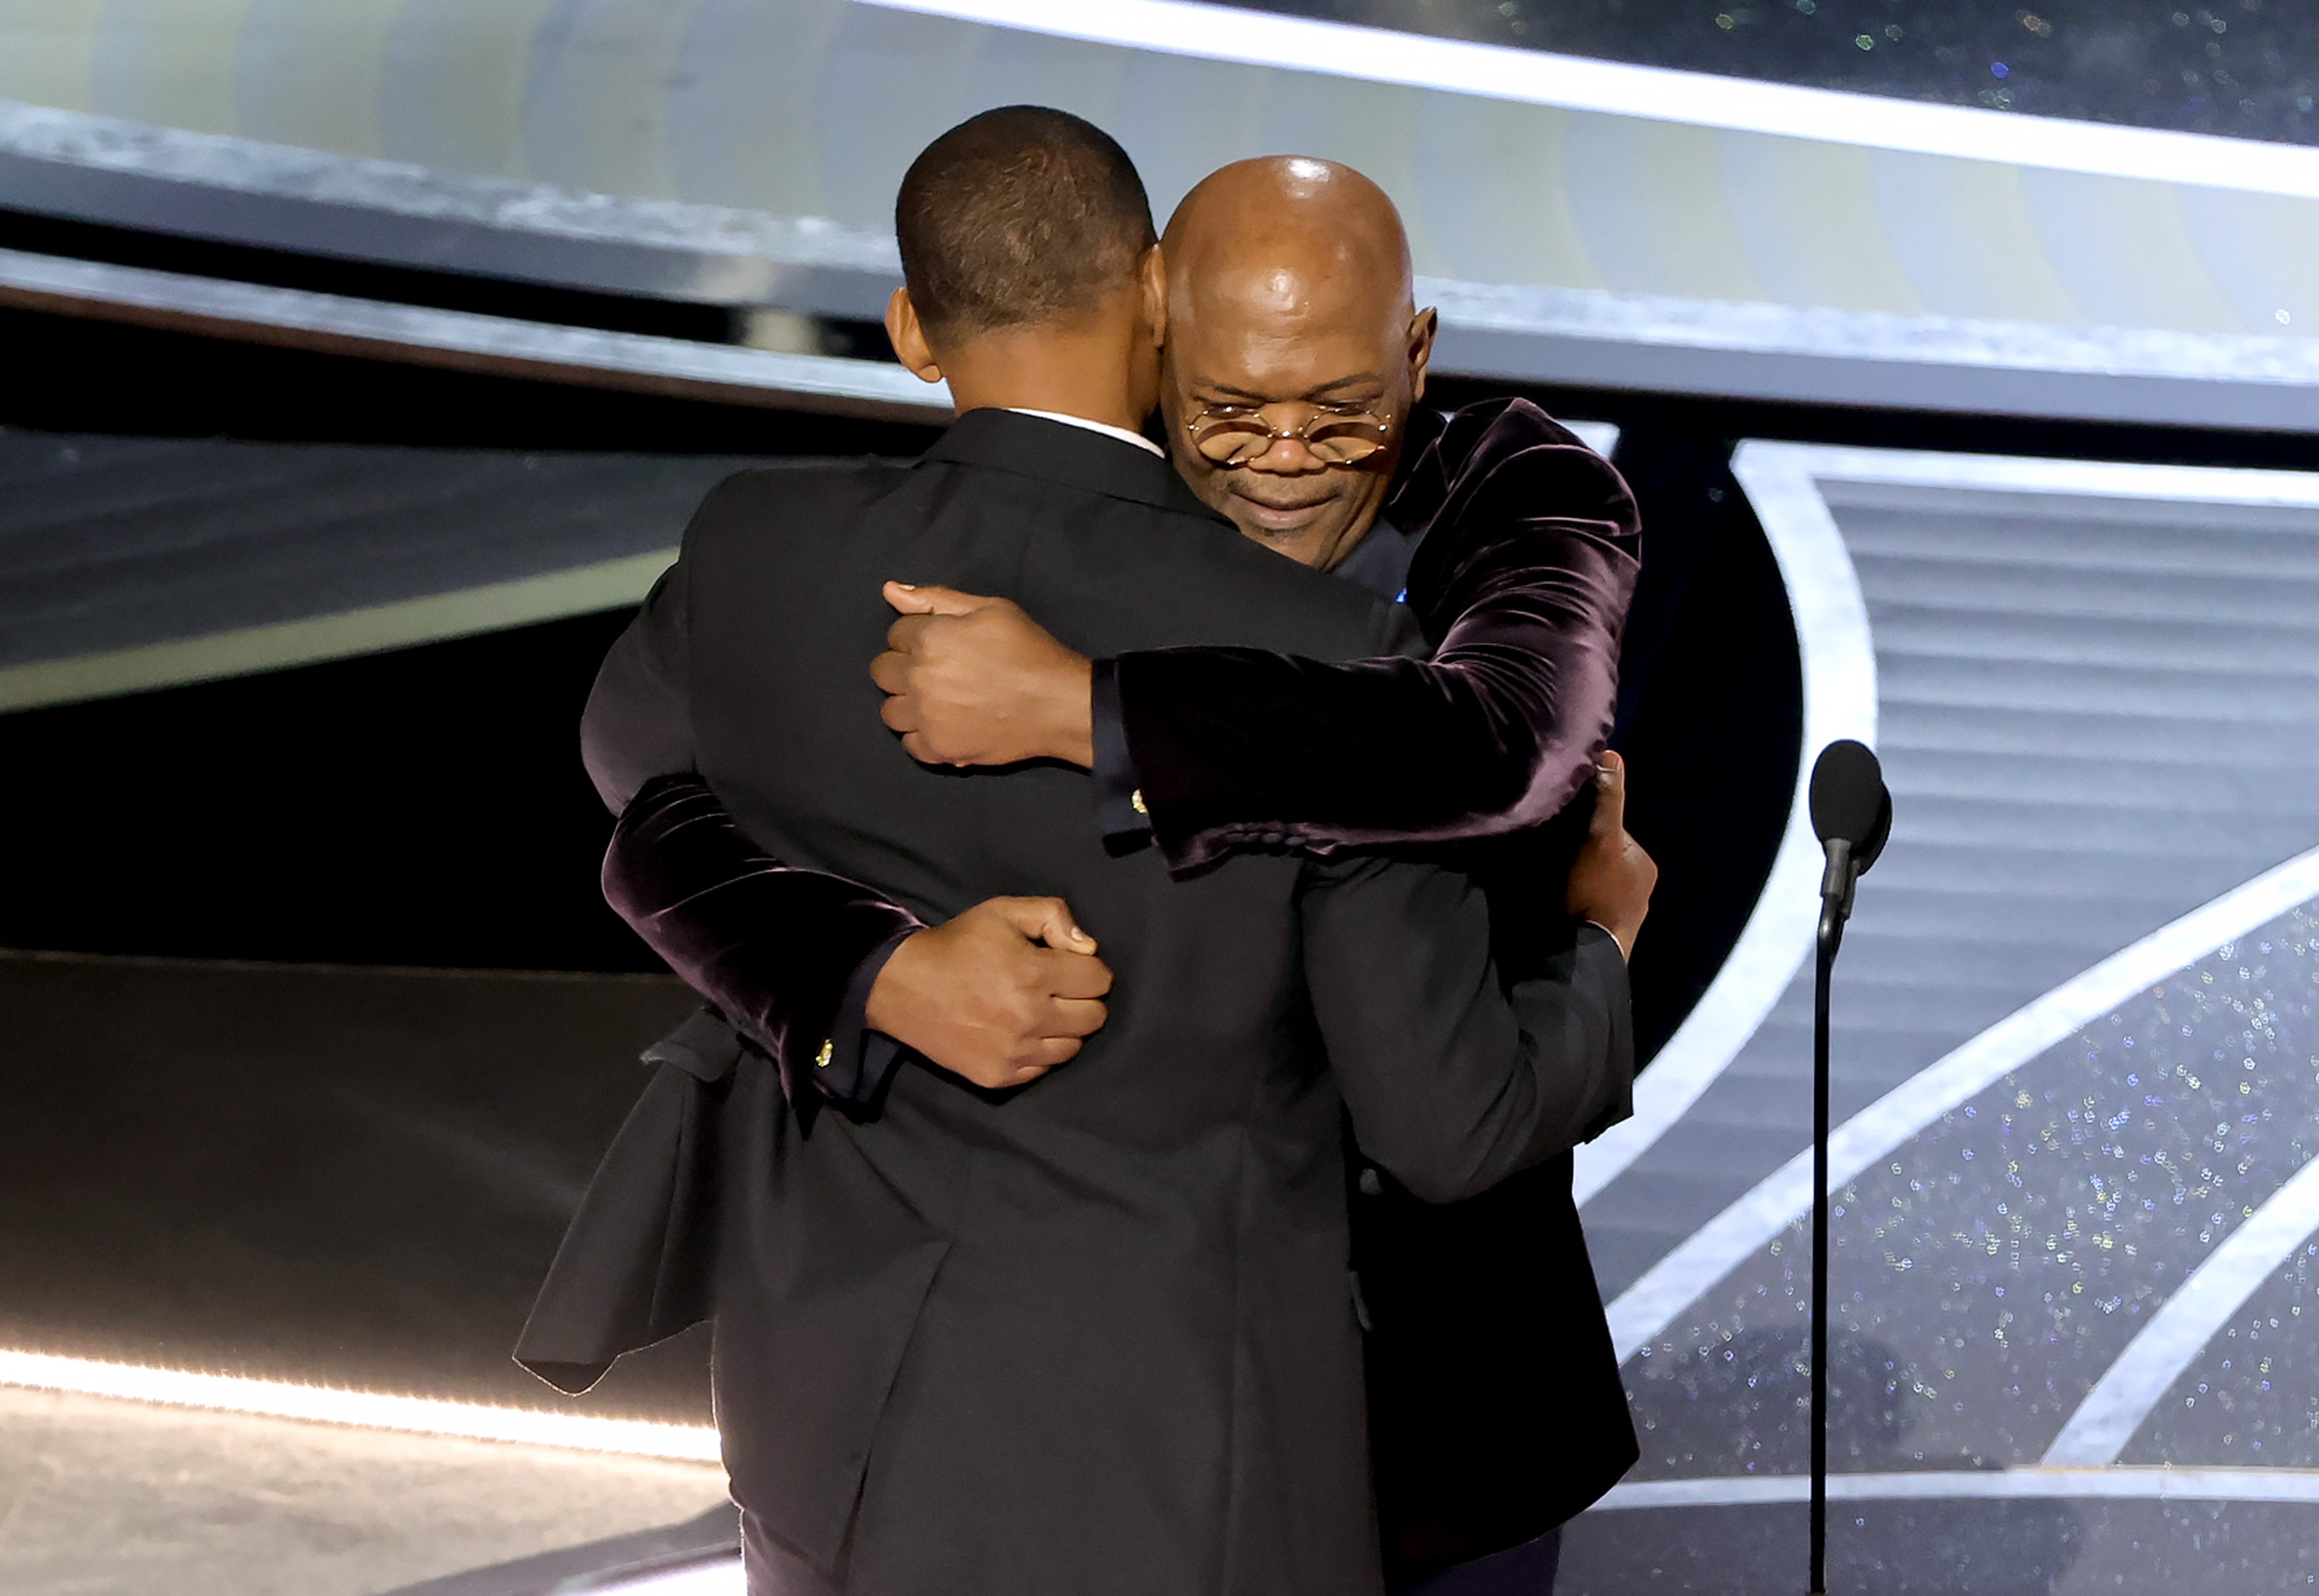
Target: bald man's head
1290, 310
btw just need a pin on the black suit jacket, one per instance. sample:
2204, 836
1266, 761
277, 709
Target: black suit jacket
1095, 1334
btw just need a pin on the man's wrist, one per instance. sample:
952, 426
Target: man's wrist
1075, 714
1626, 940
879, 1010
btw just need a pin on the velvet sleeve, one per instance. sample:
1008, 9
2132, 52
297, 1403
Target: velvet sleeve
1528, 552
781, 952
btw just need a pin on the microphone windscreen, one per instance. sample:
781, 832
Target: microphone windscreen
1848, 799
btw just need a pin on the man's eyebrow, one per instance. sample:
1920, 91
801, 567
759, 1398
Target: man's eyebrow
1358, 379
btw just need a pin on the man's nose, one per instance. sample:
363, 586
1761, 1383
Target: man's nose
1286, 456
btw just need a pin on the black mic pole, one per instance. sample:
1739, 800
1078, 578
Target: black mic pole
1835, 902
1852, 812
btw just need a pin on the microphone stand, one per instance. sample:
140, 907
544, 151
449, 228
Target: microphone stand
1836, 907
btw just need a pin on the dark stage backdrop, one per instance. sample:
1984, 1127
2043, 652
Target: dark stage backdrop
425, 807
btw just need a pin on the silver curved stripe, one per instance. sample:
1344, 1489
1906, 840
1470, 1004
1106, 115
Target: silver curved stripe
1839, 685
1696, 99
2166, 1347
1648, 1307
2130, 1485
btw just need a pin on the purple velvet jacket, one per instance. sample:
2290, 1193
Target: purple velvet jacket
1526, 553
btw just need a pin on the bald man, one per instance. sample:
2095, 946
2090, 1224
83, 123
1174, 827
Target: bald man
1322, 414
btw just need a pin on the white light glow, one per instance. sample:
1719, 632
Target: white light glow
1500, 72
370, 1410
725, 1577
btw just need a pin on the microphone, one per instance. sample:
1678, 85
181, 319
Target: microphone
1851, 811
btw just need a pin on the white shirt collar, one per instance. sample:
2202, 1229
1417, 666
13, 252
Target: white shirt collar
1121, 433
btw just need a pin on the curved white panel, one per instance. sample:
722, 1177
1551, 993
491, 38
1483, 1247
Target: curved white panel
1839, 688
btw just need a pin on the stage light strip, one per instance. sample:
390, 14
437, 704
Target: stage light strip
2166, 1347
1645, 1309
463, 340
494, 608
367, 1410
2130, 1485
1840, 689
1500, 72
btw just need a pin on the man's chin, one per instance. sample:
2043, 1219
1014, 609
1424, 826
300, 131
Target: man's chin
1285, 530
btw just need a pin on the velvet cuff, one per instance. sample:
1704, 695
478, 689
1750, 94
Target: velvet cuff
1117, 792
785, 954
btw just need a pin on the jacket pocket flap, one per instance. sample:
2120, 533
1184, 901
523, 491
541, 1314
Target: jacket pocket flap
704, 1047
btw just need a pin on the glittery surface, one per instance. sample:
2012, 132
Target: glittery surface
2252, 1398
1988, 1273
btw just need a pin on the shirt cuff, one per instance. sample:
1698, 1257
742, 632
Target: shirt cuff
1118, 801
856, 1061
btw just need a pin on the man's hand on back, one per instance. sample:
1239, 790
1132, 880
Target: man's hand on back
975, 681
1001, 995
1611, 883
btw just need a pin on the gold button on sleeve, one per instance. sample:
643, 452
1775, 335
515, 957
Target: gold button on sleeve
821, 1059
1136, 798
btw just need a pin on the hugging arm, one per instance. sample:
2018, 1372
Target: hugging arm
788, 956
1495, 732
1459, 1072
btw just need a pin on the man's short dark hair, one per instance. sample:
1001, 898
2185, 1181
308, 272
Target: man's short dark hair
1018, 216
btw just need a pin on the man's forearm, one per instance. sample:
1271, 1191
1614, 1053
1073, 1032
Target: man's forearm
1456, 1080
638, 721
788, 955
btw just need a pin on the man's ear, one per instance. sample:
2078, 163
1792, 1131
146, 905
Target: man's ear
1422, 329
909, 337
1152, 276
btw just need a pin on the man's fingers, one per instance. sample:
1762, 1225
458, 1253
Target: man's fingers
900, 714
1078, 1016
1045, 1054
1610, 796
892, 672
1044, 920
904, 635
925, 599
1074, 975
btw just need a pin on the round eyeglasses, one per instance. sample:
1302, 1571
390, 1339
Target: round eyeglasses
1236, 434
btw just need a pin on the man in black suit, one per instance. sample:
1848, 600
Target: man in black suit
1093, 1333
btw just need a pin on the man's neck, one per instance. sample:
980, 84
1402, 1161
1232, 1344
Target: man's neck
1062, 371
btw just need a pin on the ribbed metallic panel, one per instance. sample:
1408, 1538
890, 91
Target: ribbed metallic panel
108, 544
2095, 713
